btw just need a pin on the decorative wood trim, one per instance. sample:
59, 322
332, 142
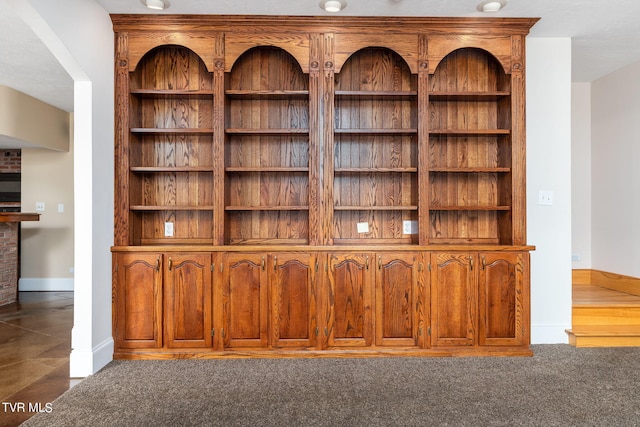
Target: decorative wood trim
613, 281
352, 24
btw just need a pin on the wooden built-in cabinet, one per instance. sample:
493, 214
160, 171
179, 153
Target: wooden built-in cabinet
479, 299
319, 186
268, 300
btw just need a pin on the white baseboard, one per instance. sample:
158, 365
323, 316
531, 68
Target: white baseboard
83, 363
47, 284
549, 334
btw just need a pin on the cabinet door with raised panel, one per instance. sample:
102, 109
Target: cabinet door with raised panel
453, 299
188, 300
244, 300
503, 299
137, 300
293, 299
398, 299
350, 300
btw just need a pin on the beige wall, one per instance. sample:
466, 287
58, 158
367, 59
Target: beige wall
27, 119
48, 245
581, 175
615, 172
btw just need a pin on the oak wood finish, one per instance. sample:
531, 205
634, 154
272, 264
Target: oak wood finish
603, 317
137, 300
188, 301
19, 216
265, 141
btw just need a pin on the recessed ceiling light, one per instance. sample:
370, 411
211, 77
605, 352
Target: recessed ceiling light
155, 4
491, 6
333, 5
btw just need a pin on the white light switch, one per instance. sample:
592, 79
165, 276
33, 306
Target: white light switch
363, 227
168, 229
60, 207
545, 198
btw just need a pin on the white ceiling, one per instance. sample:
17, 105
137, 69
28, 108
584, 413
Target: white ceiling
605, 35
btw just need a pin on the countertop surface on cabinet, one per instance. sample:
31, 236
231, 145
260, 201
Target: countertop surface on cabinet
19, 216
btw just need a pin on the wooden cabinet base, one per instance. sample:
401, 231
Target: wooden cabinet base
337, 353
320, 302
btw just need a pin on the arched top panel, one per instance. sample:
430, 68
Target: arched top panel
267, 68
207, 47
499, 47
404, 46
470, 70
295, 45
376, 69
171, 67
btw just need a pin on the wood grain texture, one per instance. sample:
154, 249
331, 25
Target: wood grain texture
293, 300
453, 300
501, 299
173, 182
379, 75
245, 301
396, 297
137, 296
266, 140
350, 299
278, 197
188, 293
470, 171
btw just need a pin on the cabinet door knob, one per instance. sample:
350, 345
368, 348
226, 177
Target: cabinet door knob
170, 263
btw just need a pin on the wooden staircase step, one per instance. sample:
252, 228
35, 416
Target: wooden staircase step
604, 336
605, 315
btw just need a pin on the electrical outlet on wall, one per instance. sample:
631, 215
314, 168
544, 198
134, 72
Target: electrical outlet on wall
362, 227
168, 229
409, 227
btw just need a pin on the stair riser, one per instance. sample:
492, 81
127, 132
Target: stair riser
600, 341
605, 316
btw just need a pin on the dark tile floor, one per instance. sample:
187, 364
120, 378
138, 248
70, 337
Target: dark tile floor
35, 343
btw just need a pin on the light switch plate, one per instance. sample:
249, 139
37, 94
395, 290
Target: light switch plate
545, 198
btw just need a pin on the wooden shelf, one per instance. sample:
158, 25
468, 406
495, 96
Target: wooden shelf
283, 131
375, 208
469, 132
377, 131
267, 94
391, 95
266, 169
376, 170
468, 96
469, 170
162, 131
266, 208
469, 208
151, 169
170, 208
168, 93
